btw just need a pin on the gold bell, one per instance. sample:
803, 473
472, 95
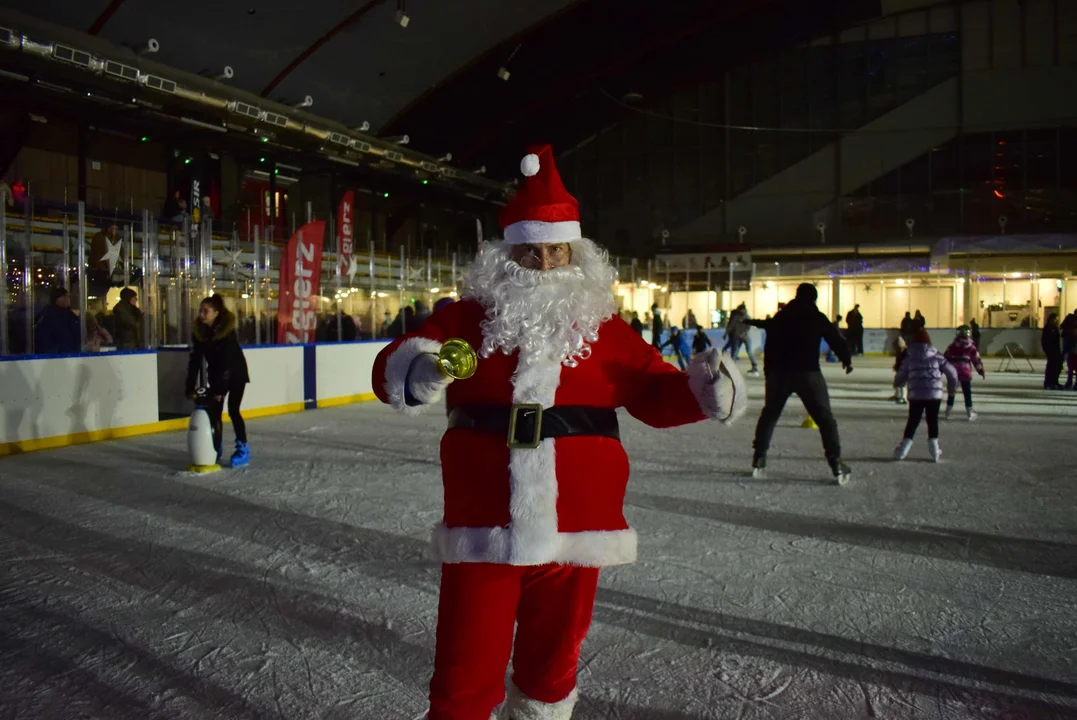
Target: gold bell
457, 359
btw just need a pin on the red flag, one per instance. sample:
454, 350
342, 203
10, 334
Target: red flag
300, 281
344, 217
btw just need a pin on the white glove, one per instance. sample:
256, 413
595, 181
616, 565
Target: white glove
426, 382
718, 386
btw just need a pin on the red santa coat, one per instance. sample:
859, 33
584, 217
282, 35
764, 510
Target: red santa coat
561, 502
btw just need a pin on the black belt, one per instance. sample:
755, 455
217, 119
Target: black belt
527, 425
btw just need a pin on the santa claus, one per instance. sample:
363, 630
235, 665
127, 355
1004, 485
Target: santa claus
533, 469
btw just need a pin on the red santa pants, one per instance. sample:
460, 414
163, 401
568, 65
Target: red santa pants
478, 606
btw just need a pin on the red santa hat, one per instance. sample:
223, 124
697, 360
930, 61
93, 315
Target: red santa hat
542, 211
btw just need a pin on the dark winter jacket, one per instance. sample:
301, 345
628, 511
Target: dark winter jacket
656, 329
976, 335
1051, 342
924, 370
737, 327
57, 331
700, 342
854, 320
793, 337
637, 325
962, 354
127, 320
219, 347
1068, 329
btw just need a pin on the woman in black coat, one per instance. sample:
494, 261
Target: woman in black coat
216, 344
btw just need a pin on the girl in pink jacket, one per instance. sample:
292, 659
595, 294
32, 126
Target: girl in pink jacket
965, 358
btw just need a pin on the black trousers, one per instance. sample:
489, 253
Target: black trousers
811, 388
917, 408
1054, 369
215, 408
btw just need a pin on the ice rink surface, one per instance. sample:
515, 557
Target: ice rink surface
300, 587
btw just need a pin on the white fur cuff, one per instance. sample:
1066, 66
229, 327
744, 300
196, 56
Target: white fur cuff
423, 385
521, 707
718, 386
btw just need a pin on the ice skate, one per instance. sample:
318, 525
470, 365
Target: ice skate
754, 372
842, 472
946, 415
242, 456
902, 451
933, 448
971, 414
759, 467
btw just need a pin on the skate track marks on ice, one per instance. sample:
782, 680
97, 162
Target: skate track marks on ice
300, 587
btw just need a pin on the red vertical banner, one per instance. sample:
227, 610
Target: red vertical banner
344, 222
300, 281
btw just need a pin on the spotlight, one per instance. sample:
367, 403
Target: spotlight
225, 74
306, 102
151, 46
398, 139
480, 170
447, 157
362, 127
401, 18
503, 73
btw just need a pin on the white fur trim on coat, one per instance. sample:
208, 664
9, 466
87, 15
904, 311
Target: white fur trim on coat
596, 548
536, 231
532, 536
521, 707
718, 386
424, 389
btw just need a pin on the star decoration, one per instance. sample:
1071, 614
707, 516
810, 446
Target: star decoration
233, 258
353, 269
112, 255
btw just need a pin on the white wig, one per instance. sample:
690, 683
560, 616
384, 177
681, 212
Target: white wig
553, 314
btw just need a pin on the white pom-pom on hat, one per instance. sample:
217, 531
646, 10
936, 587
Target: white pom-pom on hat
530, 164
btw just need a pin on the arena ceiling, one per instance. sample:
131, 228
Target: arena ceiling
570, 61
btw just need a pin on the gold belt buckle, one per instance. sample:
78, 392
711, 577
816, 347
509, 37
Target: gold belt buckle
537, 439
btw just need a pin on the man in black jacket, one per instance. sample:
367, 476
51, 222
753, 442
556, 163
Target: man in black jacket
656, 328
791, 365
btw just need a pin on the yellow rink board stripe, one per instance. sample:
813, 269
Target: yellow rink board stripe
19, 447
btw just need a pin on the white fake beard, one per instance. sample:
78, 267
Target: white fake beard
548, 314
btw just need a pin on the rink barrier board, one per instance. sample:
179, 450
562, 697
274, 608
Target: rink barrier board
86, 396
19, 447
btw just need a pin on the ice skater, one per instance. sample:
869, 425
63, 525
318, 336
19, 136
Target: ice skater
700, 342
791, 365
900, 349
923, 369
679, 345
526, 527
965, 358
215, 342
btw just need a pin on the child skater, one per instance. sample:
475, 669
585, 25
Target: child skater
923, 369
700, 342
216, 342
965, 358
899, 352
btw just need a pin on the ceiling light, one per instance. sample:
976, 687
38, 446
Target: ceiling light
435, 290
401, 18
306, 102
900, 281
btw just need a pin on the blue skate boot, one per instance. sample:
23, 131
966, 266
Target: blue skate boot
242, 456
